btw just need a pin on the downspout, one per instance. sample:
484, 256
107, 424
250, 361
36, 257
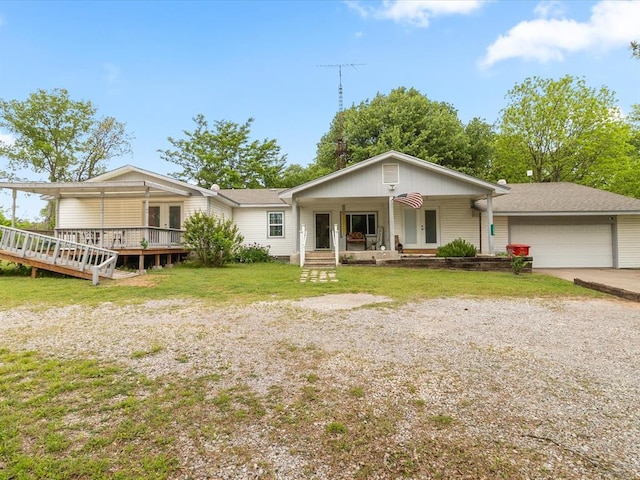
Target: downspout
58, 197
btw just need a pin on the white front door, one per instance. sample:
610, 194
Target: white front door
421, 228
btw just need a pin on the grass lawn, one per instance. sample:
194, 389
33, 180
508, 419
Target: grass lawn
250, 283
63, 418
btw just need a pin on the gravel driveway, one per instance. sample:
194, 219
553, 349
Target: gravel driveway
554, 384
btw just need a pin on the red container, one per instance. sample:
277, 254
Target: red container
518, 249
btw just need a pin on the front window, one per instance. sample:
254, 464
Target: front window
276, 224
364, 223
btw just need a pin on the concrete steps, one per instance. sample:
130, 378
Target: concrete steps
319, 260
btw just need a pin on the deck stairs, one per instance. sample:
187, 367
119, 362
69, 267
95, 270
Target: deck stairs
57, 255
320, 259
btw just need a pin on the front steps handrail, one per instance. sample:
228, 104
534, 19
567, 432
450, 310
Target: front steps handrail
57, 251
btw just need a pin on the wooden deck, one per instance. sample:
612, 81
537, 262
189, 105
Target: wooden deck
55, 254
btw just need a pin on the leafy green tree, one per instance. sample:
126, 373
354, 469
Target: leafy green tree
626, 178
60, 137
406, 121
481, 147
635, 49
561, 130
226, 156
214, 241
295, 174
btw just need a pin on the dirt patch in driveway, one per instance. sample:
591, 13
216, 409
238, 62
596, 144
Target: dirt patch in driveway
344, 301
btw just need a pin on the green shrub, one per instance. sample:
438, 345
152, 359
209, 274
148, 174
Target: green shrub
214, 241
518, 263
457, 248
254, 253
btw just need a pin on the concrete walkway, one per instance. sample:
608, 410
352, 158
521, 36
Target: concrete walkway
621, 279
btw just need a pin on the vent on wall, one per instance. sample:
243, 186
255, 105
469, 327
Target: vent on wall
390, 173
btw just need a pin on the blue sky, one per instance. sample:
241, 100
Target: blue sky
155, 65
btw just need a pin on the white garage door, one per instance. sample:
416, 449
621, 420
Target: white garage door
566, 245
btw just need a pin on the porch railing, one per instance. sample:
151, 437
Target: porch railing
81, 257
117, 238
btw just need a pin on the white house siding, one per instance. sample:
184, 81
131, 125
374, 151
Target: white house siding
500, 233
367, 182
75, 213
628, 241
218, 209
253, 225
457, 220
119, 211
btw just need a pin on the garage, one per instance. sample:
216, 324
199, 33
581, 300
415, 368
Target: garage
569, 244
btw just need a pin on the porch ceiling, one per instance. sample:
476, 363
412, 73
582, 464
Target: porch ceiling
94, 189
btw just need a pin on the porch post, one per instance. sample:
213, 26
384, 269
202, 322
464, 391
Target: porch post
14, 194
101, 219
146, 214
392, 232
490, 223
146, 207
294, 219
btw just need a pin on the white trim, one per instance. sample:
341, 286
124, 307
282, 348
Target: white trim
269, 224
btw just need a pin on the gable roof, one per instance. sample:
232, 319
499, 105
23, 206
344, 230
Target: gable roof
560, 198
255, 197
118, 172
393, 155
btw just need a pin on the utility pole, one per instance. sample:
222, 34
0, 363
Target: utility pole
341, 145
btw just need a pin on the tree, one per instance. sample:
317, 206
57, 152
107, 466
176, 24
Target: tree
213, 240
561, 130
295, 174
226, 156
60, 137
635, 49
406, 121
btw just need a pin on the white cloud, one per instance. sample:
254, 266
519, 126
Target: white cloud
7, 139
550, 8
612, 24
415, 12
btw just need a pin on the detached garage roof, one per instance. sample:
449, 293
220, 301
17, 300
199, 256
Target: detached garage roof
560, 198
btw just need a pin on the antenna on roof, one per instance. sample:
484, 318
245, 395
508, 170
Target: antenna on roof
341, 146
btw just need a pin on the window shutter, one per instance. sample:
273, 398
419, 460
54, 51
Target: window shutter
390, 173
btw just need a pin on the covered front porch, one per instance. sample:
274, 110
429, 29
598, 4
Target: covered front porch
389, 203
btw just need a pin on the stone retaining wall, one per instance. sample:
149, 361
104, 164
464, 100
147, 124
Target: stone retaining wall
500, 264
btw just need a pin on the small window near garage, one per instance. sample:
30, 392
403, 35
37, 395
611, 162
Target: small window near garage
364, 223
390, 173
276, 224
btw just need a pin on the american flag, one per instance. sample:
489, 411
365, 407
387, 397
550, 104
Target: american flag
413, 199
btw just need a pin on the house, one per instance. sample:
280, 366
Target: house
372, 209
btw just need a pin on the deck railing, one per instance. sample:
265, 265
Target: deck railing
117, 238
58, 251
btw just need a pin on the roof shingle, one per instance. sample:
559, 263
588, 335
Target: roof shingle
559, 197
